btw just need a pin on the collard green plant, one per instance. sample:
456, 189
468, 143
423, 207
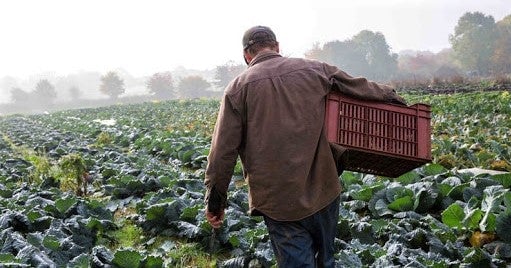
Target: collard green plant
146, 185
74, 172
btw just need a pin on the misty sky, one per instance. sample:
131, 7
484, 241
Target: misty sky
144, 37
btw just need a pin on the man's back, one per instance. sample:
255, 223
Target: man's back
272, 117
286, 157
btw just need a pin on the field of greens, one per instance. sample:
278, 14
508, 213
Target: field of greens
122, 186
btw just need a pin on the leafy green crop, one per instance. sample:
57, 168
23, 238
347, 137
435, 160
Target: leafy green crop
144, 204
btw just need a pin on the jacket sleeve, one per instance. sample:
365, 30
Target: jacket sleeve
223, 154
361, 88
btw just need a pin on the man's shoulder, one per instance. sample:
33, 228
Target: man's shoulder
271, 68
304, 60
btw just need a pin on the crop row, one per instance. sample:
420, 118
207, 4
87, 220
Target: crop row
471, 130
143, 167
154, 186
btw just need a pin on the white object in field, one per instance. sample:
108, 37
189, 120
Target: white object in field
478, 171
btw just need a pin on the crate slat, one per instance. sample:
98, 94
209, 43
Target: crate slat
381, 138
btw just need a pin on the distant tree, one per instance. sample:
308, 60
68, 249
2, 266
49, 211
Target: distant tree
87, 82
224, 74
382, 62
422, 66
112, 85
161, 85
446, 74
45, 92
18, 95
318, 53
445, 57
350, 57
343, 54
473, 42
420, 63
501, 57
366, 54
75, 92
193, 86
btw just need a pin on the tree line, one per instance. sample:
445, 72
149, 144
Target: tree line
159, 86
480, 46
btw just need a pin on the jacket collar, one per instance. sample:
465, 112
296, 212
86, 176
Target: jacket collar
263, 56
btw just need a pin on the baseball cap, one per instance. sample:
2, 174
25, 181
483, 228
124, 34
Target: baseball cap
258, 34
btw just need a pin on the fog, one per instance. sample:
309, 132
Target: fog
87, 94
72, 44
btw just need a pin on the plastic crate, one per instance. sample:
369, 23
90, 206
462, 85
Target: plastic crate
380, 138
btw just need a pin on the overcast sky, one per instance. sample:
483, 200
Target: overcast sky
144, 37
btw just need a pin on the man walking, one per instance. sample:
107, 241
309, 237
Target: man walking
271, 116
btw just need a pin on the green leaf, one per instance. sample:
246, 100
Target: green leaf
156, 212
443, 232
472, 219
382, 208
186, 156
457, 191
33, 215
434, 169
488, 223
504, 179
51, 242
362, 231
402, 204
453, 216
7, 257
6, 192
234, 241
470, 193
153, 262
424, 200
255, 235
363, 192
408, 178
167, 181
503, 226
81, 261
64, 204
444, 188
127, 258
493, 197
397, 192
484, 156
379, 225
507, 201
94, 224
478, 258
189, 213
349, 178
355, 205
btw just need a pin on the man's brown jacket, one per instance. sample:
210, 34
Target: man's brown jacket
272, 117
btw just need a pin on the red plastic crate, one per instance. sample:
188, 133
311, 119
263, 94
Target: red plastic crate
380, 138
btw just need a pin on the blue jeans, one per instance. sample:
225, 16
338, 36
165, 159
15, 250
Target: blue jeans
308, 242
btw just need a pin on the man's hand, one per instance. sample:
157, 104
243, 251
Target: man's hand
215, 219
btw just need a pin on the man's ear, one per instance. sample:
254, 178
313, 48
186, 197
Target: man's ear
248, 58
277, 48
